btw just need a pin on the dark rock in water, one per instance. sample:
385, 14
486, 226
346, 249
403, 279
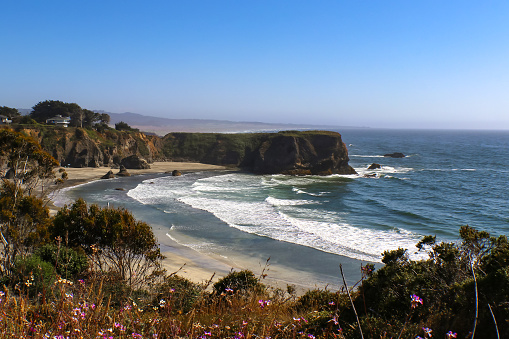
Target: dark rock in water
119, 189
123, 172
374, 166
394, 155
176, 173
372, 175
11, 174
108, 175
134, 162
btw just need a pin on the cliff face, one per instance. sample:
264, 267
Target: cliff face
317, 154
76, 147
291, 152
296, 153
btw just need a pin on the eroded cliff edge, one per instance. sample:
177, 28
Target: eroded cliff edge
289, 152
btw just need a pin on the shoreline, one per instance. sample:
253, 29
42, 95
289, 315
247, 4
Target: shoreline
189, 263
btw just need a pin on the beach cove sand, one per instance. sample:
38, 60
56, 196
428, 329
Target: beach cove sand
189, 263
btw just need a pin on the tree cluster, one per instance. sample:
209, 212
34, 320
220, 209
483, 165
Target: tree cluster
80, 117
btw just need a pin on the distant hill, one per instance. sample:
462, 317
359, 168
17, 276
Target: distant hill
162, 126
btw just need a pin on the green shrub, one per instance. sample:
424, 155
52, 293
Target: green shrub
176, 293
238, 282
69, 263
32, 274
319, 300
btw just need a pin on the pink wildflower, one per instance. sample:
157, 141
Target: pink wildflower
451, 334
416, 300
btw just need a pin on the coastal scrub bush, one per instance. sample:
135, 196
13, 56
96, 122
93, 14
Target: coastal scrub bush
176, 294
67, 262
32, 274
112, 239
461, 284
238, 282
317, 299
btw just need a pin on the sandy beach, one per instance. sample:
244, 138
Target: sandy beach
83, 175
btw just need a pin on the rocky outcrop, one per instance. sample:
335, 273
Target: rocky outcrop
78, 147
374, 166
176, 173
108, 175
394, 155
123, 172
134, 162
320, 154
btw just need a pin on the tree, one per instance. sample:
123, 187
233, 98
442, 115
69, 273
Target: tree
105, 118
48, 109
23, 195
84, 118
123, 126
23, 224
9, 112
112, 239
29, 164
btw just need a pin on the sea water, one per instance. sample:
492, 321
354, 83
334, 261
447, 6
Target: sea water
309, 225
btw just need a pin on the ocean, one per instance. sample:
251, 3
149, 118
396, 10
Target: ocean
309, 225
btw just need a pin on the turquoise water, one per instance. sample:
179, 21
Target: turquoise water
309, 225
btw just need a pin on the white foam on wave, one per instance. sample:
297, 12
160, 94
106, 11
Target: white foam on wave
384, 171
265, 219
450, 169
289, 202
300, 191
290, 220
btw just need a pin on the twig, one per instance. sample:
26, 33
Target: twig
495, 321
476, 300
351, 301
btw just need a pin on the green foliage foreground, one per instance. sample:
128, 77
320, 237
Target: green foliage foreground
461, 291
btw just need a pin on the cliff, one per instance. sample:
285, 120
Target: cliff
77, 147
290, 152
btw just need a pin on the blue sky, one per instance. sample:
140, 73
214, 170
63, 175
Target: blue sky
393, 64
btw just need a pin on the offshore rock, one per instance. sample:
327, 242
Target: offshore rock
176, 173
394, 155
374, 166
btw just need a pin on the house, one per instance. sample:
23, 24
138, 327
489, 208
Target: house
59, 121
4, 120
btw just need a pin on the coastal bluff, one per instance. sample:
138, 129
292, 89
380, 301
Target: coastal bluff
287, 152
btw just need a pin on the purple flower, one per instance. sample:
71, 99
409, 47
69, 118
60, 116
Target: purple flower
451, 334
427, 332
263, 303
416, 300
